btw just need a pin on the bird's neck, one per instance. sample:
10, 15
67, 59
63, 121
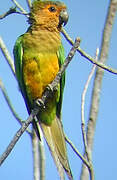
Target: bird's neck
43, 40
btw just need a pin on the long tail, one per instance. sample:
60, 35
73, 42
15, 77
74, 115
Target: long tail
56, 141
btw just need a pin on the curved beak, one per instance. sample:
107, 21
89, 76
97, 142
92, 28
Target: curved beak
63, 17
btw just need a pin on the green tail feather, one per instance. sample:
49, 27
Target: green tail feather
54, 136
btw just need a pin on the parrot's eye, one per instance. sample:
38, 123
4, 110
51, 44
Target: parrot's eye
52, 9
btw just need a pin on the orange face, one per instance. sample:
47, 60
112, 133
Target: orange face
46, 14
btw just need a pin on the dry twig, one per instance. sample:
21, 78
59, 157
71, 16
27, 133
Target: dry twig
87, 153
98, 81
29, 3
88, 57
9, 102
20, 7
39, 156
77, 152
17, 136
10, 11
11, 106
7, 56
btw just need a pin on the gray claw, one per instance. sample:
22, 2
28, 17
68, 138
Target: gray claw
39, 103
49, 87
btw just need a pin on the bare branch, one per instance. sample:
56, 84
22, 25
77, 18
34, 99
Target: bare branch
42, 157
11, 106
29, 3
10, 11
9, 102
39, 155
83, 105
88, 57
87, 153
7, 56
36, 154
17, 136
37, 108
19, 7
99, 74
98, 81
77, 152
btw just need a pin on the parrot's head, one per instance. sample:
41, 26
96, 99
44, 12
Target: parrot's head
49, 15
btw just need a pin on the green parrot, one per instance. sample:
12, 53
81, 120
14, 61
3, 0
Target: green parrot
38, 56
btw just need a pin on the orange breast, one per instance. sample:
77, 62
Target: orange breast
38, 72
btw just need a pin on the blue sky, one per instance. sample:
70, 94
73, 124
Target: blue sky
86, 20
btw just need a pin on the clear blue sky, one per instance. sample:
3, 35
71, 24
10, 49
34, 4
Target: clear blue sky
86, 21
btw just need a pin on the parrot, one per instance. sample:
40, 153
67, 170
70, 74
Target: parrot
38, 56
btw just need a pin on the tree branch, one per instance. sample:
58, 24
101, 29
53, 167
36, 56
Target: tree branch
98, 81
29, 3
7, 56
10, 11
11, 106
19, 7
9, 102
36, 153
17, 136
37, 108
87, 153
77, 152
88, 57
39, 155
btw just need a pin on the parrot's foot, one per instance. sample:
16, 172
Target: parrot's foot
49, 88
39, 103
51, 91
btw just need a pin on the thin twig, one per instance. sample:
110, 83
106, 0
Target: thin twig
77, 152
99, 73
98, 81
36, 153
17, 136
83, 103
7, 56
88, 57
29, 4
10, 11
11, 106
9, 102
19, 7
39, 155
82, 109
87, 153
11, 64
36, 109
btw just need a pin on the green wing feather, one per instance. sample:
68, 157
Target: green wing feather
18, 54
61, 58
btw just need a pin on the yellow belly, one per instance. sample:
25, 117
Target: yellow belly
39, 71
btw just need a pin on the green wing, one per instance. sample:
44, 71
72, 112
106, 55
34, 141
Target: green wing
61, 58
18, 54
